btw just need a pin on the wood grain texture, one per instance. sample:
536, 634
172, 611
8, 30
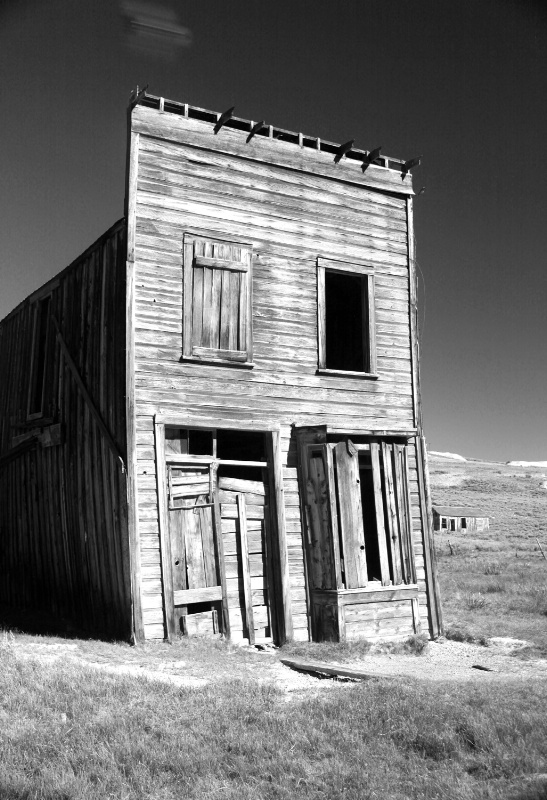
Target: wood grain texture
64, 495
174, 128
291, 215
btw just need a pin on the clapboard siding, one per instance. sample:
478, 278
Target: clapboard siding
290, 219
63, 512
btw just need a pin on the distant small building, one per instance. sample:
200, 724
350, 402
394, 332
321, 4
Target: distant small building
459, 518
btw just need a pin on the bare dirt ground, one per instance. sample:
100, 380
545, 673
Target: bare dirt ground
442, 661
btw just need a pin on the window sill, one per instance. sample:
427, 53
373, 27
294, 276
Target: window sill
217, 362
339, 372
374, 592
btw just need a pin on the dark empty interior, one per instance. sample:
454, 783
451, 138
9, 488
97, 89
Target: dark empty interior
241, 445
369, 518
345, 322
193, 441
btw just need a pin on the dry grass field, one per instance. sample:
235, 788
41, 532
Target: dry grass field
494, 583
87, 720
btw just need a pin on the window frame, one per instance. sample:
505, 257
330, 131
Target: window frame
332, 545
369, 332
42, 305
197, 352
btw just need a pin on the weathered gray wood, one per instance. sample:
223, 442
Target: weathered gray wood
433, 589
333, 670
392, 515
219, 553
278, 538
246, 573
364, 596
351, 515
184, 597
165, 536
221, 264
179, 129
379, 508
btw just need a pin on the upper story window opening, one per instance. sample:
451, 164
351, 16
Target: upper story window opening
346, 325
217, 291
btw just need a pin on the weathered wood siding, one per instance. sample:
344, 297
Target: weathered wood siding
63, 508
293, 211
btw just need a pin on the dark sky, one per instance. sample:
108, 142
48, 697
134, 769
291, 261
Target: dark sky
464, 83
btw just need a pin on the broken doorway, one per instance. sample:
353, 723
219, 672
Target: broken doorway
220, 533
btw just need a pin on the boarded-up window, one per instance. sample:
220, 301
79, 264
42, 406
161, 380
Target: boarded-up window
217, 301
359, 515
346, 327
38, 369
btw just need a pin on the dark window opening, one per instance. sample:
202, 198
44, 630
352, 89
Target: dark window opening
452, 524
464, 522
346, 323
443, 522
39, 358
241, 445
189, 441
241, 473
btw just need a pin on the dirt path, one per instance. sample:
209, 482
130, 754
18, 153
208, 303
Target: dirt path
442, 661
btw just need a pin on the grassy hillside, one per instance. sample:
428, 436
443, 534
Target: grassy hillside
494, 583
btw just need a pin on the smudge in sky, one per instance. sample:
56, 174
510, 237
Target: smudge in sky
153, 29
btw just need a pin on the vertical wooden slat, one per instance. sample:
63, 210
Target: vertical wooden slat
197, 306
282, 589
205, 516
233, 310
371, 324
248, 346
131, 492
379, 508
321, 319
405, 526
351, 515
243, 310
216, 297
322, 568
432, 584
163, 520
195, 566
187, 297
405, 471
246, 574
219, 549
393, 523
206, 336
333, 518
224, 336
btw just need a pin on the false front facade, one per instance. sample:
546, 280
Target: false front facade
262, 413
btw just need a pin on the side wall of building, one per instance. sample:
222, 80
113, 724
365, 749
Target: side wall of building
293, 213
63, 508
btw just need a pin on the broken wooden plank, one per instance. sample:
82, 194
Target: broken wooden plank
333, 670
206, 594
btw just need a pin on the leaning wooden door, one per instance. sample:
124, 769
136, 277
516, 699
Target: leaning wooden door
245, 534
198, 597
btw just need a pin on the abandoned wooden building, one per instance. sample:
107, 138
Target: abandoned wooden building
447, 519
211, 420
